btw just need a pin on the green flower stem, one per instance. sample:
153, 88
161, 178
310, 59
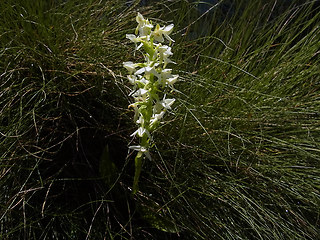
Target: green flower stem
148, 47
138, 167
138, 164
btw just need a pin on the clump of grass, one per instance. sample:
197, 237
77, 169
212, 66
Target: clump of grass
242, 153
61, 104
238, 159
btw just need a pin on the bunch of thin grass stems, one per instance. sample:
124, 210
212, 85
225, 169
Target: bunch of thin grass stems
237, 158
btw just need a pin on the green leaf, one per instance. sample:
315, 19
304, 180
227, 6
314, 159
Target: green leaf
107, 168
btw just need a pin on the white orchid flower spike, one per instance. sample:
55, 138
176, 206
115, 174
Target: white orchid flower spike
151, 81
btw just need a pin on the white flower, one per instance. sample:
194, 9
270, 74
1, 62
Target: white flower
138, 148
135, 39
142, 150
140, 71
140, 93
147, 70
140, 19
130, 66
144, 26
144, 81
163, 104
165, 74
156, 117
140, 120
164, 53
166, 103
172, 80
159, 31
140, 131
134, 79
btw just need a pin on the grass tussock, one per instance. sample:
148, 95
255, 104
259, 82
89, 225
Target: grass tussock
238, 158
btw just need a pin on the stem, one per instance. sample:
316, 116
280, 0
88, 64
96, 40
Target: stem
138, 166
